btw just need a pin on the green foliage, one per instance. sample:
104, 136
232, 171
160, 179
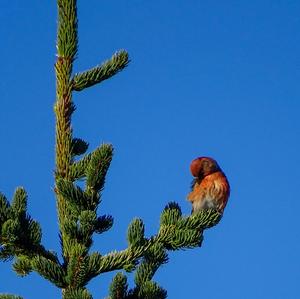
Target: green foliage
79, 146
5, 211
100, 73
11, 230
50, 270
22, 265
77, 205
77, 268
178, 232
87, 220
152, 260
118, 287
171, 214
20, 235
67, 40
7, 296
95, 163
76, 197
93, 262
135, 234
19, 202
103, 223
77, 293
78, 168
98, 167
150, 290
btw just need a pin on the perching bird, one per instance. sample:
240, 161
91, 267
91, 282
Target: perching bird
210, 188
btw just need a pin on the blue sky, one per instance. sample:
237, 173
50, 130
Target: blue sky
215, 78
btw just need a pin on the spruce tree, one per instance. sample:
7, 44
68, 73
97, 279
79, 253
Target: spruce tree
71, 271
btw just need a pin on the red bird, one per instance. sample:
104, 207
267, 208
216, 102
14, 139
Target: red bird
210, 188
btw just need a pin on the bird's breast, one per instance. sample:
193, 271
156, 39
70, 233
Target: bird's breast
213, 186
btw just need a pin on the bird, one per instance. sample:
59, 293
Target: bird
210, 187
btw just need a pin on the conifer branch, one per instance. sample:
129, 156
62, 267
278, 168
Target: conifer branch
67, 44
67, 39
103, 224
152, 260
119, 287
171, 236
99, 158
8, 296
100, 73
98, 167
79, 293
20, 235
50, 270
79, 146
176, 232
22, 265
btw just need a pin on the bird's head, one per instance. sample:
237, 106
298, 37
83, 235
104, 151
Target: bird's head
203, 166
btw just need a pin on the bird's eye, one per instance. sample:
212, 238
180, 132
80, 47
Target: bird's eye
205, 164
209, 166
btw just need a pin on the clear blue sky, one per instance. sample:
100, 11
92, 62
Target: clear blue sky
215, 78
